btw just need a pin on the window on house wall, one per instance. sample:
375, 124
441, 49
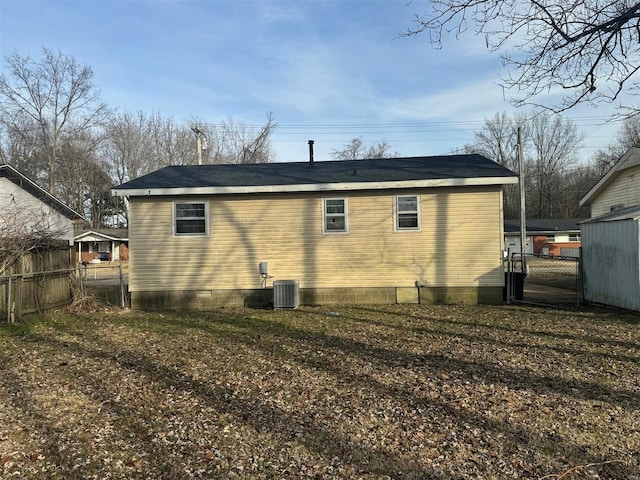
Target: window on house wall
190, 218
574, 237
335, 215
551, 238
407, 214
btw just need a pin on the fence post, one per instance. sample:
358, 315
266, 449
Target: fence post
9, 301
17, 304
580, 279
80, 279
121, 285
509, 276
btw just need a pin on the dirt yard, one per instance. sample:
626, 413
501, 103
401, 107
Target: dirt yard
389, 392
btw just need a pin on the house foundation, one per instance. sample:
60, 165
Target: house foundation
263, 298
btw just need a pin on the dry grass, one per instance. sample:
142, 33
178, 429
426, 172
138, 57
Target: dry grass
401, 392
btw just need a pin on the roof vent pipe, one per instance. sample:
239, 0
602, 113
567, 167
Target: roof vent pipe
310, 151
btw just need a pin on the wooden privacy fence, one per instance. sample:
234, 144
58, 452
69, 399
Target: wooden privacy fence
25, 293
37, 280
49, 256
36, 292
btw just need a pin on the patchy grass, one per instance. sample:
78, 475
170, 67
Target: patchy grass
401, 392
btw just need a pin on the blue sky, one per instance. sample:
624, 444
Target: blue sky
328, 70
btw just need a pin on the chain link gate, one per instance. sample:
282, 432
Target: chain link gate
544, 279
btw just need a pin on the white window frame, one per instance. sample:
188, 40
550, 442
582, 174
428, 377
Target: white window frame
397, 213
574, 237
550, 238
326, 215
206, 218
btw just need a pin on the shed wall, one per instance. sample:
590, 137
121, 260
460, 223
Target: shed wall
610, 252
459, 243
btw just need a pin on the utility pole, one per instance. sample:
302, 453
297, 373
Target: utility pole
199, 134
523, 225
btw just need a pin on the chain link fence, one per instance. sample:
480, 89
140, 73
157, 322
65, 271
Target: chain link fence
36, 292
544, 279
107, 283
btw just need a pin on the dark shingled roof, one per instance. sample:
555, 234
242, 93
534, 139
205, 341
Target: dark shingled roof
327, 172
544, 225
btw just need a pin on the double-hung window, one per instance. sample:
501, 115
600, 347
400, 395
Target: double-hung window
335, 215
190, 219
407, 213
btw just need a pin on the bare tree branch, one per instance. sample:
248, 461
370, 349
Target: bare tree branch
357, 150
587, 50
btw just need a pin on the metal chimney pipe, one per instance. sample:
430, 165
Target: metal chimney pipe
311, 151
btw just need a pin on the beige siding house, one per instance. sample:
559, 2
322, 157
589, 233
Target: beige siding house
619, 188
423, 229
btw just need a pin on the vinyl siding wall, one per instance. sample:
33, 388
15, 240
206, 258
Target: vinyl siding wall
611, 263
459, 243
33, 212
623, 190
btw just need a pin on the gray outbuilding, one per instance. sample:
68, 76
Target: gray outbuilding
611, 258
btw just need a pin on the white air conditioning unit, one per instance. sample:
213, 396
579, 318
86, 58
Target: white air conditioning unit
286, 294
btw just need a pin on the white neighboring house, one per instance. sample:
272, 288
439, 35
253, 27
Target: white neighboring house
109, 244
25, 205
611, 237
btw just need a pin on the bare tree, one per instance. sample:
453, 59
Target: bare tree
550, 146
20, 147
137, 144
173, 143
555, 142
498, 141
236, 142
586, 49
575, 182
85, 183
254, 144
357, 150
55, 96
130, 145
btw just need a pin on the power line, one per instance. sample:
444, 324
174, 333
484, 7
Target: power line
445, 133
591, 120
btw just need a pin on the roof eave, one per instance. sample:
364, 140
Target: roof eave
98, 234
40, 193
315, 187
